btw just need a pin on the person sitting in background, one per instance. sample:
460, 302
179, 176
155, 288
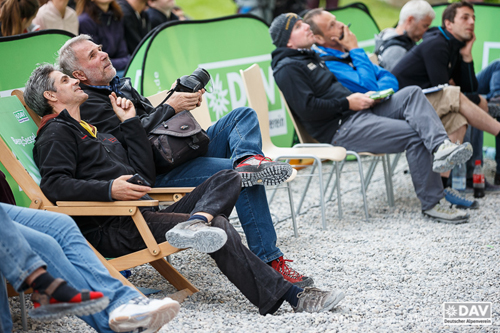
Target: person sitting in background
135, 21
103, 20
391, 44
160, 11
357, 73
81, 163
180, 13
333, 114
344, 57
55, 14
16, 17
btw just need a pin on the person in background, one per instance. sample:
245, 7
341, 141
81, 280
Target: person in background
135, 21
103, 20
55, 14
161, 11
260, 8
17, 16
180, 13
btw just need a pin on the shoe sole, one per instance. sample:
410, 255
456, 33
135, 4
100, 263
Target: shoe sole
273, 175
153, 320
206, 241
460, 155
58, 310
447, 221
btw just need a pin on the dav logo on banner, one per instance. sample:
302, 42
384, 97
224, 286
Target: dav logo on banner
227, 91
467, 313
21, 116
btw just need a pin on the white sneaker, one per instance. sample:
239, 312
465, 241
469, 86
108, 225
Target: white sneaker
446, 213
449, 154
198, 235
143, 314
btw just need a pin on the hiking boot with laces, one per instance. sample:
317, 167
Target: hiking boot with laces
198, 235
444, 212
316, 300
260, 170
455, 198
142, 314
449, 154
290, 274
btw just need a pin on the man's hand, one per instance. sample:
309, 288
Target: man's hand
349, 41
124, 108
466, 51
181, 101
123, 190
358, 102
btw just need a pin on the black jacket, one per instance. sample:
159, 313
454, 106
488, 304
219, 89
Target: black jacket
313, 93
77, 167
98, 111
435, 61
156, 17
136, 28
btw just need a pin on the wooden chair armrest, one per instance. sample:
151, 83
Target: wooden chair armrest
135, 203
160, 190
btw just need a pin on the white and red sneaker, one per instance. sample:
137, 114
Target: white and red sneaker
260, 170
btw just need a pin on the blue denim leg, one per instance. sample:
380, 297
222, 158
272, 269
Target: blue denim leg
475, 137
234, 136
489, 80
5, 318
58, 241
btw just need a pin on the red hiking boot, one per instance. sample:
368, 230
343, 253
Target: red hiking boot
290, 274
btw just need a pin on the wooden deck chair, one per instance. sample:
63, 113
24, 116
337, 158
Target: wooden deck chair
304, 137
257, 99
18, 132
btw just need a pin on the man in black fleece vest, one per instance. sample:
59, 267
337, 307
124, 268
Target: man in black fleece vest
332, 114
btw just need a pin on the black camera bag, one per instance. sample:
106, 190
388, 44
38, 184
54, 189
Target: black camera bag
177, 140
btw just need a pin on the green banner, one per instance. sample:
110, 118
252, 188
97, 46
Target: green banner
18, 131
486, 48
20, 55
362, 24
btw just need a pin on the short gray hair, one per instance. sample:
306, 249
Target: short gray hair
419, 9
67, 58
39, 82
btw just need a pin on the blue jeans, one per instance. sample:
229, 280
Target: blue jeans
475, 137
233, 137
489, 80
33, 238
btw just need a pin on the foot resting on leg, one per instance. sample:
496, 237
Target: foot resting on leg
197, 234
260, 170
450, 154
54, 298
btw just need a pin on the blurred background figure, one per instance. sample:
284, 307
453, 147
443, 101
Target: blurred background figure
161, 11
329, 4
135, 21
17, 16
260, 8
102, 20
289, 6
180, 13
55, 14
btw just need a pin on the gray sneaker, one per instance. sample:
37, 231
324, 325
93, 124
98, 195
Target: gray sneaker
260, 170
446, 213
316, 300
198, 235
450, 154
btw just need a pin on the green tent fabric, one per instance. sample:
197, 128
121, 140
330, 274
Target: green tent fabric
19, 56
222, 46
362, 23
487, 45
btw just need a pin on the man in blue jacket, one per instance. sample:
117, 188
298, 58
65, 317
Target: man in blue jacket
331, 113
344, 57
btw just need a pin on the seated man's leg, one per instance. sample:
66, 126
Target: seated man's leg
489, 80
58, 241
5, 317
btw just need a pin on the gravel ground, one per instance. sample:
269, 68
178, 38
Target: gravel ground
396, 269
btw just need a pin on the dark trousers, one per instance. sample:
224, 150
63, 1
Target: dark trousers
261, 284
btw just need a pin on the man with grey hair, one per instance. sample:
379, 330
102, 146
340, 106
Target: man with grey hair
235, 143
392, 43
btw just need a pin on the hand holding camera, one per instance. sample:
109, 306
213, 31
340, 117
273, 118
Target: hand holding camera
188, 90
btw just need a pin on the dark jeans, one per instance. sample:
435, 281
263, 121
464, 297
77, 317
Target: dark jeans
261, 284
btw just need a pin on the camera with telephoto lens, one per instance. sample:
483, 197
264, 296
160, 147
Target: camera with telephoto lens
194, 82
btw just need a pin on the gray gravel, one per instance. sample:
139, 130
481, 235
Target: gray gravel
396, 269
